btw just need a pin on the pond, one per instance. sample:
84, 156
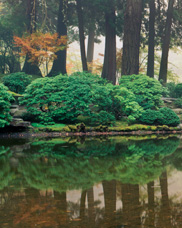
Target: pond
105, 182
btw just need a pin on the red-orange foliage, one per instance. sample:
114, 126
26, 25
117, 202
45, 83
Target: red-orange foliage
41, 47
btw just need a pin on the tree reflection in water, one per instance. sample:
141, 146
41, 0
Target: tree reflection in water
36, 182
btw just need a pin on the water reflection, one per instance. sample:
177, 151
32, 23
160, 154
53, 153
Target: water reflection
114, 182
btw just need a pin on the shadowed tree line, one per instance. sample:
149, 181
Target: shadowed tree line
156, 24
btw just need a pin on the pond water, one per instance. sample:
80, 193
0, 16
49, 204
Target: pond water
112, 182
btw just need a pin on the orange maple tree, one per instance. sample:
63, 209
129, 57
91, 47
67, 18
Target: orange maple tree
40, 48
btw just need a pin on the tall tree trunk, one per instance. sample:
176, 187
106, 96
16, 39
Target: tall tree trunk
166, 43
151, 43
131, 42
90, 47
81, 35
109, 67
59, 64
28, 67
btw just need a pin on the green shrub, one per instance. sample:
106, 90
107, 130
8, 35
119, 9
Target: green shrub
125, 103
17, 82
178, 90
165, 116
151, 117
5, 99
148, 91
102, 117
169, 117
64, 98
171, 89
178, 103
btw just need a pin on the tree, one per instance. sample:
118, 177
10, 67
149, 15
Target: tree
151, 40
41, 48
166, 43
90, 46
109, 68
131, 42
31, 11
59, 64
81, 35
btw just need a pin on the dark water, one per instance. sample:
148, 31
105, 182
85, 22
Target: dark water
84, 182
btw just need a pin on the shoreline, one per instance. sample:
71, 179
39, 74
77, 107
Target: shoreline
68, 134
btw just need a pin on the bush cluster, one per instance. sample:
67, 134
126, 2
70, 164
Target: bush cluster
63, 99
17, 82
173, 90
165, 116
178, 103
5, 103
148, 91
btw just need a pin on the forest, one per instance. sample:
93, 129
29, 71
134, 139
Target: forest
127, 88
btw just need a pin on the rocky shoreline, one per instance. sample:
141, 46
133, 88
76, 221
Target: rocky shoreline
69, 134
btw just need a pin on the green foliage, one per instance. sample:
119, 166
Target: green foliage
171, 89
169, 117
103, 117
17, 82
151, 117
5, 99
178, 90
127, 103
178, 103
148, 91
165, 116
64, 98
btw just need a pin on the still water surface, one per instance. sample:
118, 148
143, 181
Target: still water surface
91, 182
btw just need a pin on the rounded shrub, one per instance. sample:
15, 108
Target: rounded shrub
5, 99
17, 82
125, 103
178, 103
148, 91
165, 116
178, 90
171, 86
170, 118
151, 117
64, 98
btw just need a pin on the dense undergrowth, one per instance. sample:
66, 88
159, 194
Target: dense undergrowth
87, 98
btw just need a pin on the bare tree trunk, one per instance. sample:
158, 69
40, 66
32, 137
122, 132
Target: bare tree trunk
28, 67
109, 67
131, 42
90, 47
59, 64
166, 43
151, 43
81, 35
